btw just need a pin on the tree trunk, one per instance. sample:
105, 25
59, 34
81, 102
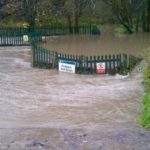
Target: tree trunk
148, 16
69, 22
144, 21
126, 25
29, 11
77, 16
67, 15
137, 22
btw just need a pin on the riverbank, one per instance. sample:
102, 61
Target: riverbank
144, 119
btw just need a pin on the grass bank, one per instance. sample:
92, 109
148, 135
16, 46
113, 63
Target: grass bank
144, 118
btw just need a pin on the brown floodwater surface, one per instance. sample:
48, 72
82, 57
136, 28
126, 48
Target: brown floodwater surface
34, 97
106, 43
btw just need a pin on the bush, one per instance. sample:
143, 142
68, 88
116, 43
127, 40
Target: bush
146, 56
147, 79
144, 119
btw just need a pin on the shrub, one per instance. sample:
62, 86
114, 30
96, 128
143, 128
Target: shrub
144, 119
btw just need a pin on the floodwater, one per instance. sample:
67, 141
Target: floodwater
107, 43
48, 110
44, 98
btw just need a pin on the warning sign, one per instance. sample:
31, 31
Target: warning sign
101, 68
25, 38
67, 66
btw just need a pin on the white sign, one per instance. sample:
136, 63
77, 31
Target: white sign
101, 68
67, 66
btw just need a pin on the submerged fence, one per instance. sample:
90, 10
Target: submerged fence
47, 59
43, 58
14, 36
66, 30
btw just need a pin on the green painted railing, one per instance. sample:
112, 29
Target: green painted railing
14, 36
44, 58
65, 30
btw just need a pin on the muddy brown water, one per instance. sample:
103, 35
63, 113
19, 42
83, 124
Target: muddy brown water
107, 43
49, 110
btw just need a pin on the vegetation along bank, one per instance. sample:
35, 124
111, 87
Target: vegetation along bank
144, 119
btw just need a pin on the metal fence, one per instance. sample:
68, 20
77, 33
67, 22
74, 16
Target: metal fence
47, 59
14, 36
43, 58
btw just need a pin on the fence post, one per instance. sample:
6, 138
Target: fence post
80, 64
124, 64
114, 65
106, 63
117, 70
125, 61
56, 60
95, 64
109, 64
33, 55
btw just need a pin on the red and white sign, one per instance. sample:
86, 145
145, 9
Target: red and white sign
100, 67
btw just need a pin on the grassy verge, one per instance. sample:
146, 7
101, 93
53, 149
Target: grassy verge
144, 118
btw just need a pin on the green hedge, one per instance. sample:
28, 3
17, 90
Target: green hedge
144, 118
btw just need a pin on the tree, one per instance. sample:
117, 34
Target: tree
8, 7
2, 5
29, 12
148, 15
72, 10
64, 8
123, 11
44, 12
131, 13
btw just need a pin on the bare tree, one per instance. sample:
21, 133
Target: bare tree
130, 13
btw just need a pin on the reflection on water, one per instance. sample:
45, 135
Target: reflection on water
106, 43
32, 97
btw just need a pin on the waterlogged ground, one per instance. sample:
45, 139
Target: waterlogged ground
48, 110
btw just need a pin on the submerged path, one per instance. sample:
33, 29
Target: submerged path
48, 110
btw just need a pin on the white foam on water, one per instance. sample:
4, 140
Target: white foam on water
21, 62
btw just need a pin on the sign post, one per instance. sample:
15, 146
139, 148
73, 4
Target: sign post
101, 67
